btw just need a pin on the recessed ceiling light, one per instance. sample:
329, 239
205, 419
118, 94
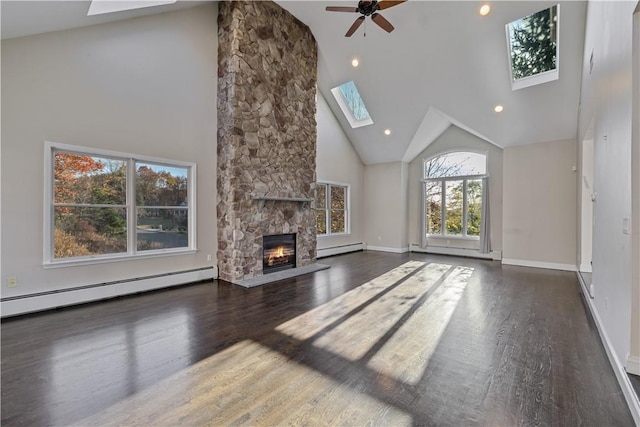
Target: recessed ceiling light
485, 9
387, 132
498, 108
355, 62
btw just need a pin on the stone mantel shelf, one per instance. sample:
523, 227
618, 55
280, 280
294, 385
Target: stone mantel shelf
262, 199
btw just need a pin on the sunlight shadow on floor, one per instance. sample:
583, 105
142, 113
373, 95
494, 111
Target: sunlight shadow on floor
406, 354
314, 321
248, 384
353, 338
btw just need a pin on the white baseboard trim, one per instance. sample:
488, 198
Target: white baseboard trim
383, 249
338, 250
633, 401
538, 264
13, 306
472, 253
633, 365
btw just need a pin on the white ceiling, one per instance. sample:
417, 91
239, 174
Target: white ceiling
26, 17
443, 64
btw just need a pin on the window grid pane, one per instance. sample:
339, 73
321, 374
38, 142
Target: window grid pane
321, 209
453, 207
474, 207
338, 221
321, 221
161, 228
84, 231
433, 208
455, 164
88, 180
159, 185
338, 195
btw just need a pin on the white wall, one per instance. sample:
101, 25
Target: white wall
143, 86
606, 99
633, 362
385, 206
540, 195
338, 162
585, 187
455, 138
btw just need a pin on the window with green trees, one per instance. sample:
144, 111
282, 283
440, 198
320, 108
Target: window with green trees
105, 205
332, 201
533, 48
453, 194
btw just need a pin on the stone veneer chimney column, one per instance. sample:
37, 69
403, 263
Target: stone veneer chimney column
267, 72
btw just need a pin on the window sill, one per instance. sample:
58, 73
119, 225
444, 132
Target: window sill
115, 258
453, 237
324, 236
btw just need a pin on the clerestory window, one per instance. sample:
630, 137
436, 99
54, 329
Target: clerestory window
453, 194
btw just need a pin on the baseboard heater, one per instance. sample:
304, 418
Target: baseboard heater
339, 250
470, 253
23, 304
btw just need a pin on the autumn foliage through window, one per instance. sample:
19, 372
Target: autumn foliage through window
331, 209
91, 213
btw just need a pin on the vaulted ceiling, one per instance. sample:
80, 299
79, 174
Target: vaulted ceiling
443, 64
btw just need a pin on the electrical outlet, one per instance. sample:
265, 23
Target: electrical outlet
208, 257
12, 282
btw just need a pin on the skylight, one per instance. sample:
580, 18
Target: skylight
98, 7
352, 105
533, 48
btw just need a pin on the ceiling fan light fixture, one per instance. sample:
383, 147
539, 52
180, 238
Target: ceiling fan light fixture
368, 8
485, 9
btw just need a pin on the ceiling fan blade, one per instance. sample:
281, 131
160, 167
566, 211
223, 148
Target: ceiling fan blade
386, 4
382, 22
355, 26
341, 9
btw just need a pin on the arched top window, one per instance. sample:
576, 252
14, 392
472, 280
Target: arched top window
456, 164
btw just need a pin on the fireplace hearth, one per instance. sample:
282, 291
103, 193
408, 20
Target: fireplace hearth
278, 253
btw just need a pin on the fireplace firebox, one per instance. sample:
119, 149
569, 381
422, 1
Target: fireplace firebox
278, 253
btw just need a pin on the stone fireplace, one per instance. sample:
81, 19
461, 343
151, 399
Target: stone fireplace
267, 69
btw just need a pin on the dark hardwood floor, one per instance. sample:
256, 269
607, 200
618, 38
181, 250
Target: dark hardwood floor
378, 339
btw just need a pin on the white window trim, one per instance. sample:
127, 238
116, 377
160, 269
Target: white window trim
540, 78
443, 235
347, 222
48, 227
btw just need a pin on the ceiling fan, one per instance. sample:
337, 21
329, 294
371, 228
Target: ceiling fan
368, 8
